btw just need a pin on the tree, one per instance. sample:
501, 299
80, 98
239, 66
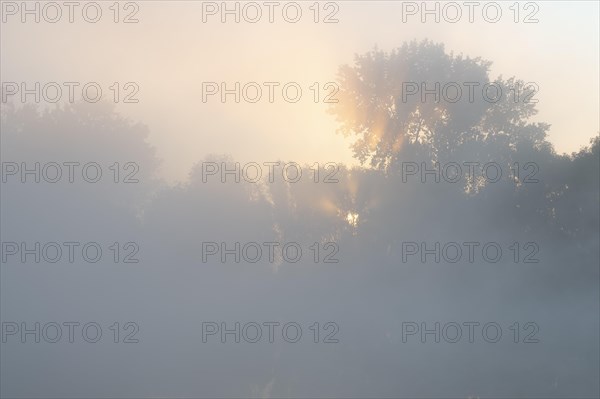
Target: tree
418, 99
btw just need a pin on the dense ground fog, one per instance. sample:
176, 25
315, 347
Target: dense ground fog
385, 247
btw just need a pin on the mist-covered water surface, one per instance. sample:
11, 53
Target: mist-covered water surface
342, 199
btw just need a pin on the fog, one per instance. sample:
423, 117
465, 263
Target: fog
415, 245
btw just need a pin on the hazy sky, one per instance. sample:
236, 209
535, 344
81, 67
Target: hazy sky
170, 52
